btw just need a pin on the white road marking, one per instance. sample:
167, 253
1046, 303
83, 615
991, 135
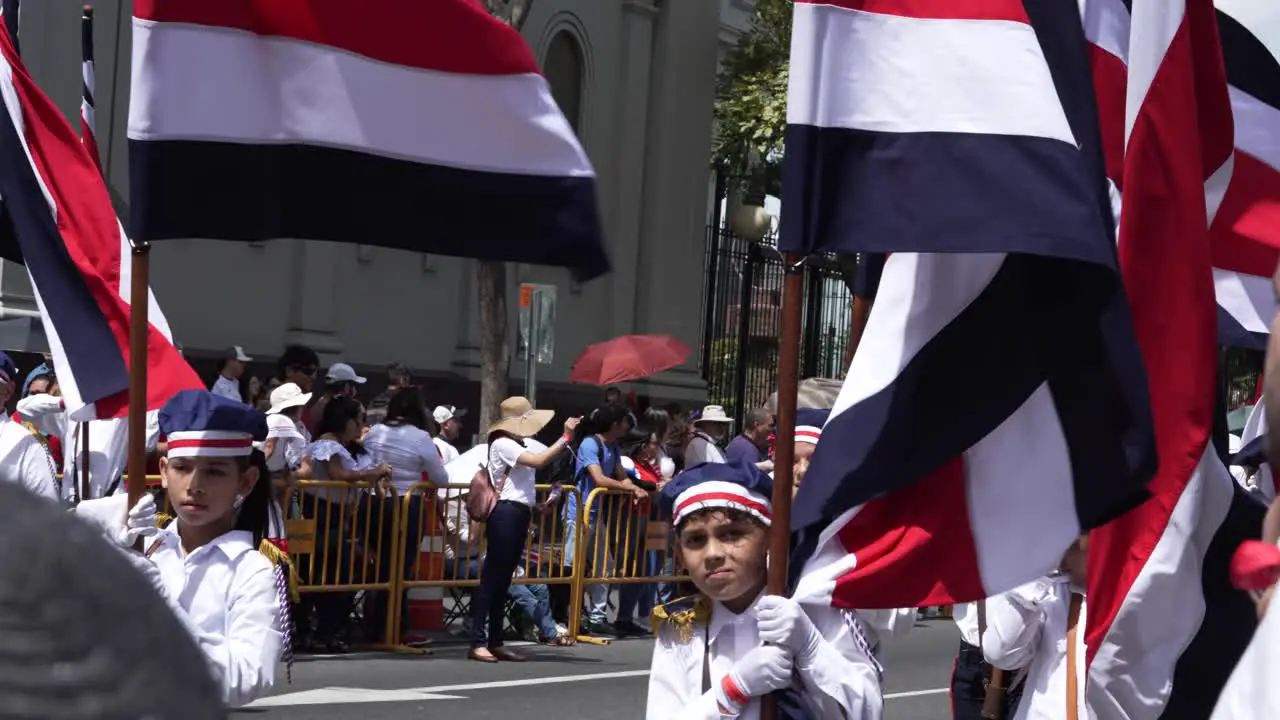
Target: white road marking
344, 695
916, 693
337, 695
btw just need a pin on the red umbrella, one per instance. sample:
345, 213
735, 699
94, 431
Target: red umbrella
629, 357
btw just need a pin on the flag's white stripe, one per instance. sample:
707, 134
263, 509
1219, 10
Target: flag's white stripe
199, 83
1253, 688
154, 314
1248, 298
1256, 126
919, 295
1260, 17
1256, 426
86, 107
1007, 498
887, 73
1150, 31
1106, 25
1132, 674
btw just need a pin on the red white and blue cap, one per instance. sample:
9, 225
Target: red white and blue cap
197, 423
737, 486
809, 424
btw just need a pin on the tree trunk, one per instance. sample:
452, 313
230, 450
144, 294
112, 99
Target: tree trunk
491, 283
495, 353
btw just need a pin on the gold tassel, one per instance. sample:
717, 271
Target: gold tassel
277, 557
684, 614
163, 519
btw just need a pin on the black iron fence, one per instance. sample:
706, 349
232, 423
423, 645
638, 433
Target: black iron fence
742, 321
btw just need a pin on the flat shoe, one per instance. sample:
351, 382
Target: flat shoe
481, 655
508, 655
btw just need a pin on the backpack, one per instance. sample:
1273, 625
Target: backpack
483, 495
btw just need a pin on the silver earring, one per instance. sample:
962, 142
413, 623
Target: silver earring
239, 501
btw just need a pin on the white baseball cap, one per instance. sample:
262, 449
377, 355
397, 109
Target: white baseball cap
342, 372
236, 352
286, 396
444, 413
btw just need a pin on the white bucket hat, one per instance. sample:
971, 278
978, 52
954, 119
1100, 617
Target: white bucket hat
286, 396
713, 414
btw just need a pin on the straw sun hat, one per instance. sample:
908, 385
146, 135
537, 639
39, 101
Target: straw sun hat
520, 418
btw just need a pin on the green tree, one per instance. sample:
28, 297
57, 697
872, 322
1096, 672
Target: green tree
751, 101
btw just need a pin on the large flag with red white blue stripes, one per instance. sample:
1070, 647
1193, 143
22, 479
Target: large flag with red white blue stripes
996, 407
1164, 625
424, 126
58, 220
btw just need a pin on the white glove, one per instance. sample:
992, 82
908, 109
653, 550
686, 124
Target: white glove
123, 526
759, 672
782, 621
141, 522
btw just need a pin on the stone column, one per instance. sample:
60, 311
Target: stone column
313, 298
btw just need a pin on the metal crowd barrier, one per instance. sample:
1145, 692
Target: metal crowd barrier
352, 537
626, 542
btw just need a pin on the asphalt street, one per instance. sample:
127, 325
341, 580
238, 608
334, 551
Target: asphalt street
579, 683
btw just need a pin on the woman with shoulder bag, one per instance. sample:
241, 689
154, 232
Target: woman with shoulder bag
512, 468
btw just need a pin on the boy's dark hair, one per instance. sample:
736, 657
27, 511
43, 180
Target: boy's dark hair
603, 418
731, 514
399, 374
299, 356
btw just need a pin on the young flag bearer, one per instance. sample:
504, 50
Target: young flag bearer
718, 652
228, 595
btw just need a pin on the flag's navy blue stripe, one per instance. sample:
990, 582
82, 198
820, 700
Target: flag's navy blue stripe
1252, 454
861, 191
1232, 334
1017, 334
245, 192
867, 280
86, 51
91, 349
1229, 619
12, 11
1250, 66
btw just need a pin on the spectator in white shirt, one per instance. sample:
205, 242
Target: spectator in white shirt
284, 448
447, 418
229, 371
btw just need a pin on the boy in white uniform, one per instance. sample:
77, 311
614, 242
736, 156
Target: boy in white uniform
718, 652
23, 460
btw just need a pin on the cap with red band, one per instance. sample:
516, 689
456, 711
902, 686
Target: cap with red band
738, 486
198, 423
809, 424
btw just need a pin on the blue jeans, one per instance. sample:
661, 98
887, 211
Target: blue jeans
505, 534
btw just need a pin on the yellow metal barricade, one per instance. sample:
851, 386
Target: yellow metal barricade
628, 541
345, 542
442, 548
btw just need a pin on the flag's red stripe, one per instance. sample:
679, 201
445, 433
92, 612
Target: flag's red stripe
455, 36
1246, 232
914, 547
1110, 76
1011, 10
1182, 135
91, 236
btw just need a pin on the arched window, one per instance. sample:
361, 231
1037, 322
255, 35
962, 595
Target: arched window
564, 71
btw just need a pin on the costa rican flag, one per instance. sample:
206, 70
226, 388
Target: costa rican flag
996, 406
58, 221
86, 95
1165, 627
417, 125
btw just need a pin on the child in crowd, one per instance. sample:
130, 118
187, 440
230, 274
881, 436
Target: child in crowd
227, 594
721, 650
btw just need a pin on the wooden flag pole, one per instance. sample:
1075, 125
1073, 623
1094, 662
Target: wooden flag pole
84, 460
785, 433
139, 323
